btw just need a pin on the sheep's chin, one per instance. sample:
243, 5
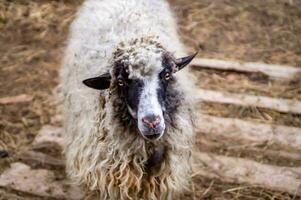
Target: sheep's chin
151, 139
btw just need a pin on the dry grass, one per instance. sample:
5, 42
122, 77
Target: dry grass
32, 36
255, 84
261, 115
266, 31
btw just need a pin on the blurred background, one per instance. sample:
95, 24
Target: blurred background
32, 39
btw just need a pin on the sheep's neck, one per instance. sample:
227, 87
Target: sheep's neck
156, 158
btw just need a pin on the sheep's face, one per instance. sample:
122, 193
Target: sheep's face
142, 76
143, 94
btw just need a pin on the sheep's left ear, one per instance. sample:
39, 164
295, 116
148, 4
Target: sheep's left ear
182, 62
101, 82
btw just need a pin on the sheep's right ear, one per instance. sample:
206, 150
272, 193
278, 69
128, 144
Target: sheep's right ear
101, 82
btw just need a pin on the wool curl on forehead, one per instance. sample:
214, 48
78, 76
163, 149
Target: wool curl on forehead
141, 56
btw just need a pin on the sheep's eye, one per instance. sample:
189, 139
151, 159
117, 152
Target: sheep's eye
167, 76
120, 82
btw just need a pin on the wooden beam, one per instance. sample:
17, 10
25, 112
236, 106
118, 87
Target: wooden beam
50, 134
23, 98
212, 144
237, 129
33, 157
38, 183
243, 171
274, 71
278, 104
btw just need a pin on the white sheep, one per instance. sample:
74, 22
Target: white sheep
132, 137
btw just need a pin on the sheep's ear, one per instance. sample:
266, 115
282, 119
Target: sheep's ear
182, 62
100, 83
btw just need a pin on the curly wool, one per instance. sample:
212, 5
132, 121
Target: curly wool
114, 164
104, 150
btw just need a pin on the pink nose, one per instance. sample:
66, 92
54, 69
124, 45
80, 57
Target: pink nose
151, 121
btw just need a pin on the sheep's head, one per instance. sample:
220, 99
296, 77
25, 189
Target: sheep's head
142, 72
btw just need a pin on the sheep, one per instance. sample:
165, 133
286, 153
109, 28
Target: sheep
128, 112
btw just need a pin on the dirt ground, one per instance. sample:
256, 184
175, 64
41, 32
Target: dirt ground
33, 35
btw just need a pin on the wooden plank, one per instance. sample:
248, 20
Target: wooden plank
243, 171
238, 129
50, 134
211, 144
278, 104
23, 98
274, 71
38, 158
38, 182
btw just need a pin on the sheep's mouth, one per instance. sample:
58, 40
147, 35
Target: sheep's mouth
151, 135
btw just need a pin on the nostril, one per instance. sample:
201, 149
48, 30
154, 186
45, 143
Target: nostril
156, 121
147, 123
151, 121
